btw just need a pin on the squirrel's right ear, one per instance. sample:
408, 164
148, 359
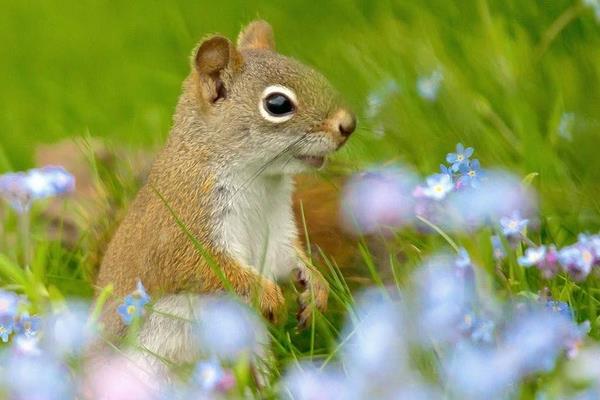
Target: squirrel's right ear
213, 58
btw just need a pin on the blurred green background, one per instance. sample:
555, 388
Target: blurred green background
512, 71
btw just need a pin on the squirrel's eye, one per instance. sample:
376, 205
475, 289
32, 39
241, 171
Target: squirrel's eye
278, 104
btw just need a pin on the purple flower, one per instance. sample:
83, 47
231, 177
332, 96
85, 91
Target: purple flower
471, 174
8, 304
460, 158
378, 201
438, 186
513, 226
542, 257
576, 260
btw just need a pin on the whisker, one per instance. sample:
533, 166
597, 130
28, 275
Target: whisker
265, 166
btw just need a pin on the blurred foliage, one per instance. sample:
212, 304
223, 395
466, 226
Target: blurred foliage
511, 69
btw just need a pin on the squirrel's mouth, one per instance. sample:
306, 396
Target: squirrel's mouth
313, 161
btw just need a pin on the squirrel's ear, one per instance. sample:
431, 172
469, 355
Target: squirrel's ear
211, 59
257, 35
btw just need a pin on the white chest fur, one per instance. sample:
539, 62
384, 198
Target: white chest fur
259, 228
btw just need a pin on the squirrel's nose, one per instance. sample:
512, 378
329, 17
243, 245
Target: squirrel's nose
344, 122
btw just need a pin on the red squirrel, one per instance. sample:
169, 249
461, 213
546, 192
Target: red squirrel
248, 120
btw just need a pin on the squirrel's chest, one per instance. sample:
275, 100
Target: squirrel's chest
259, 228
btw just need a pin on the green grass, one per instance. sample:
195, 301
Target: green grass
511, 70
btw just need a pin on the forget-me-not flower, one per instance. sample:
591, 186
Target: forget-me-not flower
460, 158
438, 186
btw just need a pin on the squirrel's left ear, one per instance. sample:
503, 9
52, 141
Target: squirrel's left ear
257, 35
215, 60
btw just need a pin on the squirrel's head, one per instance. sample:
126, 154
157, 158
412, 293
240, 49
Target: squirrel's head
266, 109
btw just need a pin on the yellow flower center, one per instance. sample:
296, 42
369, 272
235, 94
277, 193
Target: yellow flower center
460, 157
130, 310
438, 188
512, 224
471, 173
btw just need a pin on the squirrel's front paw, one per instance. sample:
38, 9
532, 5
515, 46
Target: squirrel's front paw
271, 301
314, 294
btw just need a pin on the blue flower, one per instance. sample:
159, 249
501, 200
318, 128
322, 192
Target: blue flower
460, 158
8, 304
438, 186
6, 328
513, 226
429, 86
497, 247
542, 257
560, 307
132, 308
471, 174
26, 325
22, 188
140, 293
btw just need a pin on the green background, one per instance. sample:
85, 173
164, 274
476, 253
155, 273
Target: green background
511, 69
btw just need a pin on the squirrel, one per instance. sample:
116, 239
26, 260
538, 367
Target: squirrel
220, 190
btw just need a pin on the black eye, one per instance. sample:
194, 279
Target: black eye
278, 104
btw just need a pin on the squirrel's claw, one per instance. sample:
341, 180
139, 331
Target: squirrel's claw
314, 294
271, 301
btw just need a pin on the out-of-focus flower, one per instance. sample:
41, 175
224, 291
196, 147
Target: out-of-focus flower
534, 339
133, 304
595, 6
22, 188
6, 328
376, 338
27, 325
8, 303
460, 158
542, 257
576, 260
471, 174
307, 382
476, 372
428, 86
443, 298
118, 378
68, 332
498, 195
38, 377
560, 307
210, 376
26, 346
565, 126
378, 201
497, 248
228, 330
376, 101
438, 186
513, 226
